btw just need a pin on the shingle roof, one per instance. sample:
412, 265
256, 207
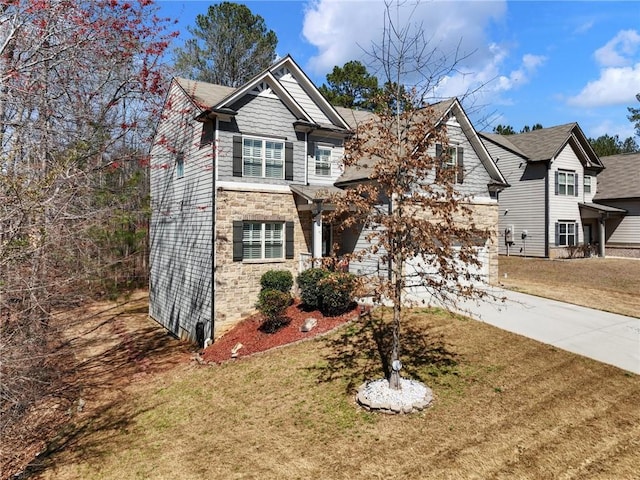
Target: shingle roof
202, 93
620, 177
503, 141
542, 144
364, 169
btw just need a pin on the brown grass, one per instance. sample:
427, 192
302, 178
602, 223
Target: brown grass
610, 284
505, 408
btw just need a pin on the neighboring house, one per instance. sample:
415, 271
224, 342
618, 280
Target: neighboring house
239, 181
619, 187
549, 207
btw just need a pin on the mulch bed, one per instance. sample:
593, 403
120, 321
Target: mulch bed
253, 340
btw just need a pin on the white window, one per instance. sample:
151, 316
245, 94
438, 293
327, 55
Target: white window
323, 161
566, 183
180, 165
567, 235
451, 159
262, 240
262, 158
587, 184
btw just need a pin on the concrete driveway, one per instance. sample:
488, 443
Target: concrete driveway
606, 337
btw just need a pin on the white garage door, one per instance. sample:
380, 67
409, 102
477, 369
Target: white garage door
417, 292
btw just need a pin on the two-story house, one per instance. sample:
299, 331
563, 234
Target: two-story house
549, 206
239, 183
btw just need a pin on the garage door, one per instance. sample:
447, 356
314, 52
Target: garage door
416, 292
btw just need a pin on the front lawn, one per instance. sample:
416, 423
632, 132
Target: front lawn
505, 407
610, 284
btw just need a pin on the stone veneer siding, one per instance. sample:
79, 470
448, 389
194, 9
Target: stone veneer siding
486, 217
237, 284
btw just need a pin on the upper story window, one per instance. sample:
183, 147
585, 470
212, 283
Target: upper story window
262, 158
323, 161
566, 183
180, 165
255, 157
451, 163
587, 184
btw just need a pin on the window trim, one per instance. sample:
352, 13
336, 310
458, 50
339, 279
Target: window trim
587, 183
239, 240
263, 157
264, 241
180, 165
567, 184
569, 225
323, 164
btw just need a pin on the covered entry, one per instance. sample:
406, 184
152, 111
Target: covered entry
594, 217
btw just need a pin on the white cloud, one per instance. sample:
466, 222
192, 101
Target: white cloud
584, 27
616, 86
606, 127
619, 51
619, 79
346, 30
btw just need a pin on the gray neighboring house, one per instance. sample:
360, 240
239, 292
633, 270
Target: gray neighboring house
619, 187
239, 182
549, 207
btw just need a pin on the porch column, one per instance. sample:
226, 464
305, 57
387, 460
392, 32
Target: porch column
317, 230
601, 237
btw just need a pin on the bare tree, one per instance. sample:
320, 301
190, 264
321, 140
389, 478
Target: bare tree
417, 219
78, 85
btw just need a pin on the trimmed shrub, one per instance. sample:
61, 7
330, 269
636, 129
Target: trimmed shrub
272, 305
281, 280
337, 291
310, 289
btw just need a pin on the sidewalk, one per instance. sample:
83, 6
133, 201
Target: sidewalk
602, 336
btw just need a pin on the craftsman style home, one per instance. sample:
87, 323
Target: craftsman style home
238, 181
549, 207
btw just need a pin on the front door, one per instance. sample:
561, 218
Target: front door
327, 239
588, 240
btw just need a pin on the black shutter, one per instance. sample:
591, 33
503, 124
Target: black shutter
438, 162
575, 190
237, 156
288, 161
288, 234
460, 169
576, 242
237, 241
557, 189
557, 234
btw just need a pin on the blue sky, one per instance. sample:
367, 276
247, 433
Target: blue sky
540, 62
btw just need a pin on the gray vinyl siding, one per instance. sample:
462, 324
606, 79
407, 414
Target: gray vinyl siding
181, 221
624, 231
521, 205
260, 116
300, 96
565, 207
476, 177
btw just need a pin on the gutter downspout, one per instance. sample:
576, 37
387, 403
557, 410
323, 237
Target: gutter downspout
546, 210
214, 202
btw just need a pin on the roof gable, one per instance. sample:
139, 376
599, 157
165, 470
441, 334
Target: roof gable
443, 110
292, 86
545, 144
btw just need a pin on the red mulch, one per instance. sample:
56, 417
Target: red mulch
247, 333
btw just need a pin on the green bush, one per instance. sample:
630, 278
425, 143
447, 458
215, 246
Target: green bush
272, 305
309, 288
281, 280
337, 290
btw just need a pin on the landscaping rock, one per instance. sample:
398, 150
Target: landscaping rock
308, 325
376, 395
